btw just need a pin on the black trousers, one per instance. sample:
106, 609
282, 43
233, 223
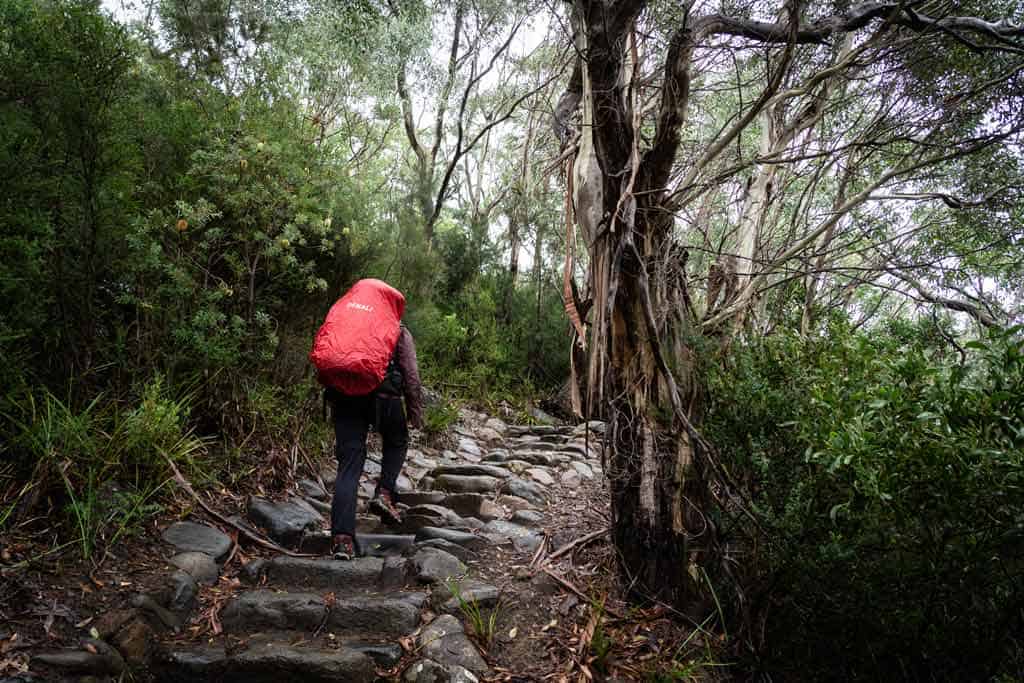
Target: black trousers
353, 416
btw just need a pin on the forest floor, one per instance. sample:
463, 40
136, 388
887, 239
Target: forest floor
548, 603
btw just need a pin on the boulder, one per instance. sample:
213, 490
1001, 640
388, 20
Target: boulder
189, 536
444, 641
312, 489
433, 565
200, 565
285, 521
183, 591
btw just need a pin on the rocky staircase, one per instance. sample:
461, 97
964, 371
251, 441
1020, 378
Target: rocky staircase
393, 610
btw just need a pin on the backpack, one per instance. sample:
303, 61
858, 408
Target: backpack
394, 380
355, 346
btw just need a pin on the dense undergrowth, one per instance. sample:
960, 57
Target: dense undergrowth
171, 242
888, 471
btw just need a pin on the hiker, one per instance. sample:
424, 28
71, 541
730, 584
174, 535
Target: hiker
364, 324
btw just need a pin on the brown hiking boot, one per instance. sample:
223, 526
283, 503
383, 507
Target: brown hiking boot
342, 547
383, 505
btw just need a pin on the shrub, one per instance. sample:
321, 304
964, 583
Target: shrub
891, 486
100, 464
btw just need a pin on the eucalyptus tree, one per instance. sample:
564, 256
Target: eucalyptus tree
719, 159
455, 100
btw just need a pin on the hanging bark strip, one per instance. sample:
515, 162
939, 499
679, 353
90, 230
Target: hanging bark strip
567, 298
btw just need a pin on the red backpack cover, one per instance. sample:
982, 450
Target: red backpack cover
352, 348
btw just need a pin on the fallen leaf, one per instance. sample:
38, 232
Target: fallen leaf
94, 633
513, 633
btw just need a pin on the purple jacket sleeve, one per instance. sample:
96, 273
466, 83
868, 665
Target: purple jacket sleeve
411, 376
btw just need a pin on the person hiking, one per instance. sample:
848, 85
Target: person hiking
361, 326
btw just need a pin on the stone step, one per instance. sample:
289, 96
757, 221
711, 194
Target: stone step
456, 483
539, 430
267, 663
363, 616
362, 573
368, 545
462, 538
472, 470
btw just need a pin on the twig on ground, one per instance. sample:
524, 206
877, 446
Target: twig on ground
539, 555
579, 542
180, 479
565, 583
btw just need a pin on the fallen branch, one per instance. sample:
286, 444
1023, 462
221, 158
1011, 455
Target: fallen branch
566, 584
181, 481
579, 542
539, 555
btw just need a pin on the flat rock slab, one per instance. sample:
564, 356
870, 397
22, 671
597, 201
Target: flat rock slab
514, 503
433, 565
482, 594
541, 476
584, 469
527, 517
464, 504
103, 659
571, 479
444, 641
369, 544
200, 565
532, 445
269, 663
463, 538
192, 537
374, 615
384, 545
488, 435
386, 655
522, 537
497, 424
267, 609
466, 484
461, 552
543, 458
312, 489
538, 430
422, 497
528, 490
285, 521
468, 446
363, 572
476, 469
